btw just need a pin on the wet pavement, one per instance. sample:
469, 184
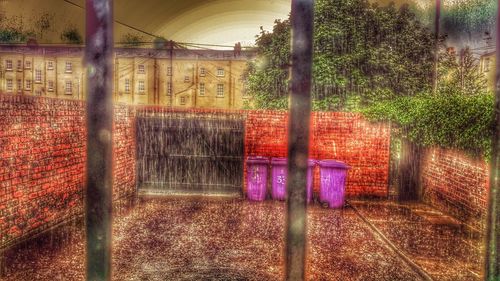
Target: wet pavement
437, 243
210, 239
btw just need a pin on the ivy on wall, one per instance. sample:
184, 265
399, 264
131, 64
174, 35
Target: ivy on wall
451, 121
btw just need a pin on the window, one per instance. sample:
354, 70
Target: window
27, 64
169, 71
9, 85
142, 88
220, 71
8, 65
127, 85
19, 85
19, 65
50, 65
202, 71
202, 89
183, 100
69, 67
28, 85
50, 86
38, 76
68, 90
169, 88
220, 90
486, 66
140, 69
38, 92
186, 79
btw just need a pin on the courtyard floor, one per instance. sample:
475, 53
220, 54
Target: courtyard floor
216, 239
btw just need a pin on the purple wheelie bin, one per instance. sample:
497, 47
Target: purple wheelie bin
279, 176
257, 178
332, 182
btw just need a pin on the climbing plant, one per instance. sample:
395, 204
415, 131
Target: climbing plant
451, 120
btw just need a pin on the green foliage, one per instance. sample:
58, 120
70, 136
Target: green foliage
362, 53
160, 43
16, 29
131, 40
71, 35
12, 30
267, 78
448, 120
9, 35
460, 75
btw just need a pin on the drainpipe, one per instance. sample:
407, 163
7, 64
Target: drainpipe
298, 137
170, 64
98, 50
155, 80
195, 79
230, 93
116, 86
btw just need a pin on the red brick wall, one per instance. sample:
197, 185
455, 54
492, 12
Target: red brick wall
456, 184
341, 136
43, 155
124, 150
42, 162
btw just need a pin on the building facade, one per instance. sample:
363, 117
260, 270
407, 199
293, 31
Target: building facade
487, 66
179, 78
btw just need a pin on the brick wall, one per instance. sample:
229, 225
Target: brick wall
124, 150
341, 136
42, 162
456, 184
42, 155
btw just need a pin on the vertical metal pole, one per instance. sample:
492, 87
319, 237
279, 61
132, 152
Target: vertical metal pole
99, 49
298, 138
492, 260
437, 19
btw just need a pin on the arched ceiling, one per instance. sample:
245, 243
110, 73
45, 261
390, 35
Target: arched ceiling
202, 21
222, 22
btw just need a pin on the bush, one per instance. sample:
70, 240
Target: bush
451, 121
71, 35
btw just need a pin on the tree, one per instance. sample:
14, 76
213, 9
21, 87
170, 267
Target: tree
268, 76
362, 53
71, 35
12, 30
43, 24
460, 76
15, 29
131, 40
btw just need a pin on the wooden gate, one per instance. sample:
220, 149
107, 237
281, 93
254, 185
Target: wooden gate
190, 155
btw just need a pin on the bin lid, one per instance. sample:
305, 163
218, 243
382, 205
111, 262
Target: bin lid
333, 164
257, 160
283, 161
279, 161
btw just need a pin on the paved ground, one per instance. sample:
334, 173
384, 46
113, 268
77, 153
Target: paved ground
222, 240
436, 242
